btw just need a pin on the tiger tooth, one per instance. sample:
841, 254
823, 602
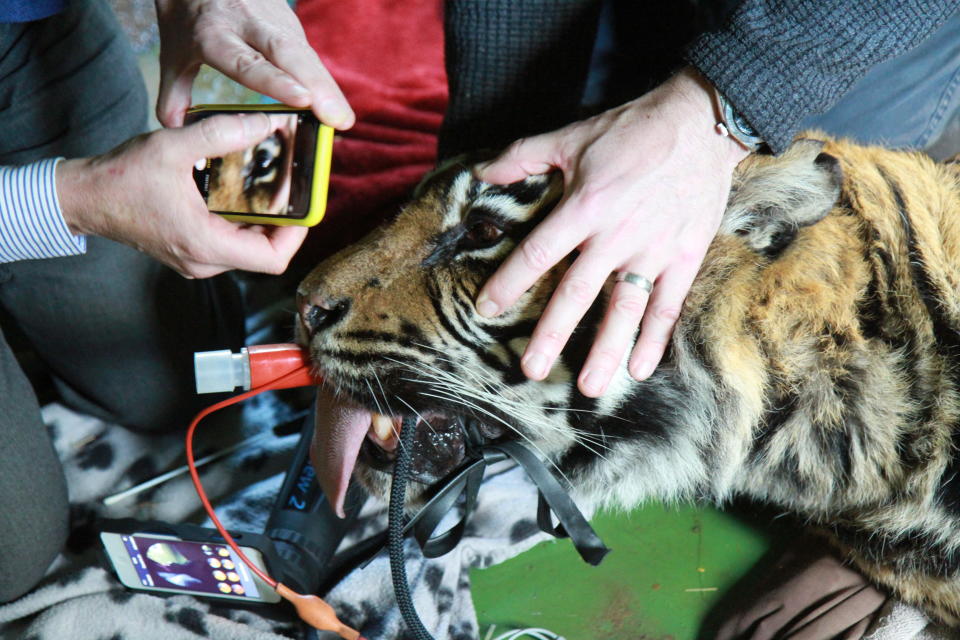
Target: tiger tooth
382, 426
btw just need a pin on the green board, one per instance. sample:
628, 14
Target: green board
668, 567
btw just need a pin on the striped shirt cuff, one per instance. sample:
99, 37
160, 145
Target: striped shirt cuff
31, 222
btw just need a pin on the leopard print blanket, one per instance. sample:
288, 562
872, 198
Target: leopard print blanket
81, 599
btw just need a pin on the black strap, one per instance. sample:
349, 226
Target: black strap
552, 498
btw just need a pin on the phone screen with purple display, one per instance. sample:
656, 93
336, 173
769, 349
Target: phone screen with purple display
195, 567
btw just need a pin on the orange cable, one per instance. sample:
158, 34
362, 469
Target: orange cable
310, 608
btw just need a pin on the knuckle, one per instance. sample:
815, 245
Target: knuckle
514, 150
551, 341
276, 267
629, 306
197, 254
273, 44
535, 255
247, 61
652, 344
605, 357
590, 197
211, 131
208, 39
668, 313
578, 290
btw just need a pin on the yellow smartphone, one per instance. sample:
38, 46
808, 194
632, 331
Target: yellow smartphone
282, 180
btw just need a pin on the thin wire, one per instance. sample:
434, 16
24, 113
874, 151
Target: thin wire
195, 476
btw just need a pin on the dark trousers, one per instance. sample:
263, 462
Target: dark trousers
115, 329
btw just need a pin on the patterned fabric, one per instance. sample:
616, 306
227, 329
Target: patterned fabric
31, 222
101, 459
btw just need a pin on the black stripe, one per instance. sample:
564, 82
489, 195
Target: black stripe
363, 359
368, 335
944, 333
879, 318
525, 192
412, 332
511, 374
776, 413
947, 342
915, 551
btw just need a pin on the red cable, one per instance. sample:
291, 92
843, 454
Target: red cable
310, 608
195, 476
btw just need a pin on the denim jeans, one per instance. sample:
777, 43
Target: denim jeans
905, 102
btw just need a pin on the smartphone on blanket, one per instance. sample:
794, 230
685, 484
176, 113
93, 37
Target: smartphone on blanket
176, 564
281, 180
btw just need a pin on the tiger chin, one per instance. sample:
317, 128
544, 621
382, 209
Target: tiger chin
815, 365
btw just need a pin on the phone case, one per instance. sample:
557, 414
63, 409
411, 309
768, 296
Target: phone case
192, 533
321, 168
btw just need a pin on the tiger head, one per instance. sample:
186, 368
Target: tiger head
391, 325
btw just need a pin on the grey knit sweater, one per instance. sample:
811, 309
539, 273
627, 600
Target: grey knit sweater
518, 67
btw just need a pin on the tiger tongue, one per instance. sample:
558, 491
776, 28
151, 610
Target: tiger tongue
339, 432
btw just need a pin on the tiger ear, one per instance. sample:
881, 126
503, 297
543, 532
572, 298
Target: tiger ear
771, 198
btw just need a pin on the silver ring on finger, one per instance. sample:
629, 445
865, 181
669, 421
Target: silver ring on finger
635, 279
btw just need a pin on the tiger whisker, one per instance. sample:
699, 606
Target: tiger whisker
506, 424
373, 394
583, 441
492, 384
457, 386
416, 413
385, 401
579, 434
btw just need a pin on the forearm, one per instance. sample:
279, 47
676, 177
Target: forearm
32, 225
779, 61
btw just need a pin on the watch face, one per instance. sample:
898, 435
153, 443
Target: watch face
741, 123
739, 127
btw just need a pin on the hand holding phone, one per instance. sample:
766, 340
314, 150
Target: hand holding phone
143, 193
282, 180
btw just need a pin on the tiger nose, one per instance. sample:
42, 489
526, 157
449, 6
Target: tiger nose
318, 313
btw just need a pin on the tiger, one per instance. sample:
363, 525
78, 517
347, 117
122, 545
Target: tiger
814, 367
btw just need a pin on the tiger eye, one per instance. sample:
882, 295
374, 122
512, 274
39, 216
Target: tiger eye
484, 233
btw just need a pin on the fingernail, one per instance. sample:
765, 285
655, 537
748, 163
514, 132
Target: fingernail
335, 114
535, 364
593, 382
299, 89
643, 370
486, 307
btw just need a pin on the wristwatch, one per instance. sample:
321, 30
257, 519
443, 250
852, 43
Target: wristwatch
734, 125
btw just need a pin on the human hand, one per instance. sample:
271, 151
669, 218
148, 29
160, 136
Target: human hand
143, 194
258, 43
645, 186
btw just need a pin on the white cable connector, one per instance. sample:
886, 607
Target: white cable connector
224, 371
221, 371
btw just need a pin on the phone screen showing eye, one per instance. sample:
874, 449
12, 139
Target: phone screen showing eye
271, 178
190, 566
